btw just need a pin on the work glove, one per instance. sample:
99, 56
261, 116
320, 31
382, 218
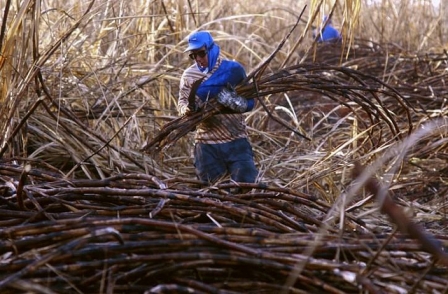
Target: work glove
230, 99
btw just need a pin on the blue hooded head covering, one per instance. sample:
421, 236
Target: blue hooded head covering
198, 40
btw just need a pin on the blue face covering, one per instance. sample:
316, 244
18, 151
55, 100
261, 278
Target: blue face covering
213, 53
203, 39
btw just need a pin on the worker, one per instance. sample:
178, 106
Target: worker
328, 33
221, 145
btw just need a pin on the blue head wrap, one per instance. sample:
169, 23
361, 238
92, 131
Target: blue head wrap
198, 40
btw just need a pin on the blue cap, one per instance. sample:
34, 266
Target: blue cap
198, 40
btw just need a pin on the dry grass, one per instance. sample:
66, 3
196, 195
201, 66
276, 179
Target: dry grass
86, 85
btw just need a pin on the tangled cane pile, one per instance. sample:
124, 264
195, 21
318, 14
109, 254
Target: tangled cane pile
131, 233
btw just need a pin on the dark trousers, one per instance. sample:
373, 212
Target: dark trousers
212, 161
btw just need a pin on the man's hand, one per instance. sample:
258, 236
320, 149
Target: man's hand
187, 110
230, 99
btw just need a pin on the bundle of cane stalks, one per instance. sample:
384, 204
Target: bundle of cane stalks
341, 84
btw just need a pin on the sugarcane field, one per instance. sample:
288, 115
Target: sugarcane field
180, 146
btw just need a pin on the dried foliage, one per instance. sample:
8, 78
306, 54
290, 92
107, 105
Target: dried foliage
98, 192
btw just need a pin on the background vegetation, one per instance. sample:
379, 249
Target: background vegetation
116, 65
85, 85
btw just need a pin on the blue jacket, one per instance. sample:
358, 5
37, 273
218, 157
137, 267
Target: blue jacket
229, 72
